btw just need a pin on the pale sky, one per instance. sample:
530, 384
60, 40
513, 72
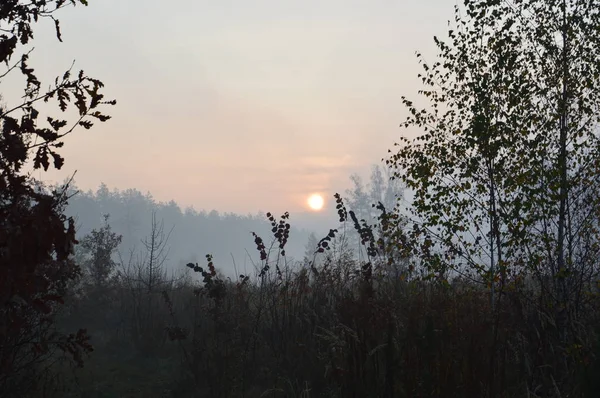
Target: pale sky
240, 105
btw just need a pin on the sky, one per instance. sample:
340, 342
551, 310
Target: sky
238, 105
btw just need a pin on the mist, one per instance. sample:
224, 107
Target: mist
299, 198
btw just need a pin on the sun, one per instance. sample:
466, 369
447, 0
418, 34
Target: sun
316, 202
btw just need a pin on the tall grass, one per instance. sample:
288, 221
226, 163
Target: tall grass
334, 326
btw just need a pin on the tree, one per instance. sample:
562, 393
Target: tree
98, 248
145, 279
372, 203
362, 198
93, 300
505, 173
36, 239
310, 249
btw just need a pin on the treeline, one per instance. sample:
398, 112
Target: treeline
192, 234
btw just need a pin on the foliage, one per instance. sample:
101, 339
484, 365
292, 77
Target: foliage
505, 171
36, 239
96, 254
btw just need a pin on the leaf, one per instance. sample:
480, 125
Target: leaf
81, 105
41, 159
59, 161
57, 124
7, 47
63, 97
86, 124
57, 26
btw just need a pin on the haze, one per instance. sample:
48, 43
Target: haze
239, 106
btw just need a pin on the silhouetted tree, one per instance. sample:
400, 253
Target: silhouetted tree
381, 188
145, 278
36, 238
98, 249
505, 172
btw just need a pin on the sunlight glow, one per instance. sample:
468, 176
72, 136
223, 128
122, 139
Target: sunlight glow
316, 202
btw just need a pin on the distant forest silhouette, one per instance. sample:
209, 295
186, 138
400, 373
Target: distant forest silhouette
226, 236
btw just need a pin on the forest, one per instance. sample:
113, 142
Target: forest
467, 266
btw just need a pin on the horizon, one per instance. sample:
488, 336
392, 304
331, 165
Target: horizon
249, 110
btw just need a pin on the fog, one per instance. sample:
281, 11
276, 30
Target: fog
242, 106
229, 111
190, 234
299, 198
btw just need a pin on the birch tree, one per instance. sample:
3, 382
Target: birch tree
505, 166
